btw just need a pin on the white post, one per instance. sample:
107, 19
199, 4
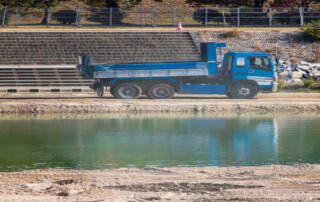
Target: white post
238, 17
110, 17
174, 17
301, 16
48, 16
142, 16
153, 17
206, 17
224, 17
78, 17
17, 16
4, 16
270, 17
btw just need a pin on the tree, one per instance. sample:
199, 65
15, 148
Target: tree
15, 3
114, 3
232, 3
103, 3
46, 4
31, 4
299, 3
103, 15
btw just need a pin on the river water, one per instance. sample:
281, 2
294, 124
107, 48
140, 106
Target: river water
163, 140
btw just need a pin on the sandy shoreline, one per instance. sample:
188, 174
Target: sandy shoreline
261, 183
89, 103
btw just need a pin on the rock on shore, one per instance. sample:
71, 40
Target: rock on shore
277, 102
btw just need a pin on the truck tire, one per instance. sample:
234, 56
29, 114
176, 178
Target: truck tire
127, 91
161, 91
243, 90
100, 91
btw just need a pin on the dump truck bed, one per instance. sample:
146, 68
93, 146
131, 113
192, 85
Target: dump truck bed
151, 70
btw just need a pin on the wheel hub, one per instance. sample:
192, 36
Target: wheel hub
161, 92
127, 92
244, 91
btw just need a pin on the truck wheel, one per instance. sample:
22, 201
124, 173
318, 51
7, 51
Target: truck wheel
161, 91
127, 91
100, 91
243, 91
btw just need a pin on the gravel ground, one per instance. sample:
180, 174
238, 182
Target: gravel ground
263, 183
89, 103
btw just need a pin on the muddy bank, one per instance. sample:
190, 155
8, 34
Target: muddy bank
264, 103
263, 183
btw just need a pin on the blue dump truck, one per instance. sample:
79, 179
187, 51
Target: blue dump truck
236, 74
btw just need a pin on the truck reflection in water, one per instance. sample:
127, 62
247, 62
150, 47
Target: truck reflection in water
245, 141
163, 141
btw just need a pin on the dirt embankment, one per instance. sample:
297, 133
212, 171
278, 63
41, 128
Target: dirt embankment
62, 103
266, 183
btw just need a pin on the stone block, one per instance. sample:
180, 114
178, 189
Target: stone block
297, 75
315, 73
304, 67
305, 63
284, 74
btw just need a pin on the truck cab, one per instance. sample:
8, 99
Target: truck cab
254, 67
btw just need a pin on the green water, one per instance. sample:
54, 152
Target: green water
163, 141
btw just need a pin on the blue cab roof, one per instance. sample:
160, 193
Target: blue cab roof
248, 53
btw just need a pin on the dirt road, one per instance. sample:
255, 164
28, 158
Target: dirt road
265, 183
89, 103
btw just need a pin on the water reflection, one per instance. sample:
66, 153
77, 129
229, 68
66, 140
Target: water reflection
159, 141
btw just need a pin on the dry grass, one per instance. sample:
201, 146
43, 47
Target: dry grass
269, 50
316, 55
256, 45
294, 60
231, 34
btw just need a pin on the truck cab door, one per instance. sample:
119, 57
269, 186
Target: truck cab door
260, 70
239, 67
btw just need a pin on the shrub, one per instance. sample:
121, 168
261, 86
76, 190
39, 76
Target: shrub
213, 15
281, 84
312, 30
65, 16
315, 86
309, 82
232, 34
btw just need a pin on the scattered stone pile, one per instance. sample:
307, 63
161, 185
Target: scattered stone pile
295, 73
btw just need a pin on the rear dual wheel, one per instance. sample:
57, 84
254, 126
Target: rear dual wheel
161, 91
126, 91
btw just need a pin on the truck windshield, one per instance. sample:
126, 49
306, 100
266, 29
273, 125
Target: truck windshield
260, 62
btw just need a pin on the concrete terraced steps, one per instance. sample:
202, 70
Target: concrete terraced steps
42, 79
30, 48
20, 49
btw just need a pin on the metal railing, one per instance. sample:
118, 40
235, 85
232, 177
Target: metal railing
189, 16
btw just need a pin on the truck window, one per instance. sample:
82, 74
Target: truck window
241, 62
262, 63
